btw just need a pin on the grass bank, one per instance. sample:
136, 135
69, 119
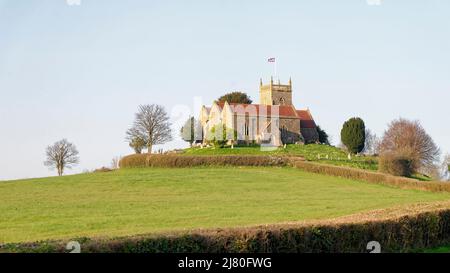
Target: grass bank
138, 201
312, 152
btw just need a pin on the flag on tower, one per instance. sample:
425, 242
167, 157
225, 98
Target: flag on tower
271, 60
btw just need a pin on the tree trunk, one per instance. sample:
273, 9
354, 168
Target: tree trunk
149, 147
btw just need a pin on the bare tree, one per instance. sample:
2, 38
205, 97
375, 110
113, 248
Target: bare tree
61, 155
446, 167
342, 146
115, 163
152, 125
409, 139
372, 143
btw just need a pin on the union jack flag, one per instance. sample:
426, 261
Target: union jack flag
271, 60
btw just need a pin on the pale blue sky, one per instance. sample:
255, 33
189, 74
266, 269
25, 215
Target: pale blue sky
80, 72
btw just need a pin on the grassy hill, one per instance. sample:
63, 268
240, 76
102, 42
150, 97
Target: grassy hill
312, 152
136, 201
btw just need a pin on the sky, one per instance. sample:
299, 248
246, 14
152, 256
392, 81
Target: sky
80, 71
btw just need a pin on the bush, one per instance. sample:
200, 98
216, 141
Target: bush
353, 135
175, 161
220, 135
103, 170
369, 176
397, 165
323, 136
407, 232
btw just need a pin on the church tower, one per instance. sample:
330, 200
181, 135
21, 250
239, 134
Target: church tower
275, 94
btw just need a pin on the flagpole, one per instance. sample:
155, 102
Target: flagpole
274, 61
275, 68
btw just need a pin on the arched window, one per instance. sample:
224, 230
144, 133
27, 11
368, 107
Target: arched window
282, 102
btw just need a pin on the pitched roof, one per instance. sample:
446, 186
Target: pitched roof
263, 110
305, 117
208, 109
306, 120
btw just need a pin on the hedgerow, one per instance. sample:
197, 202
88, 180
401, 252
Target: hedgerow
396, 165
403, 234
369, 176
174, 161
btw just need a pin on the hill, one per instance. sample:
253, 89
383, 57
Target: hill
135, 201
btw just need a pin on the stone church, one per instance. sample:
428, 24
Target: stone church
274, 120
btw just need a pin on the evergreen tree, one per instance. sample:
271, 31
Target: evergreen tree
353, 135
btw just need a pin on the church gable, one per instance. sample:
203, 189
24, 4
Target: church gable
204, 114
308, 127
306, 119
215, 115
227, 115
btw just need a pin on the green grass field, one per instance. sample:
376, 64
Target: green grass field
135, 201
312, 152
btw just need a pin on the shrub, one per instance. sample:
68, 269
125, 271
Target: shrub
407, 232
219, 135
175, 161
369, 176
353, 135
323, 136
137, 143
103, 170
395, 164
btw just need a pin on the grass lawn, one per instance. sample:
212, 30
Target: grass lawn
135, 201
312, 152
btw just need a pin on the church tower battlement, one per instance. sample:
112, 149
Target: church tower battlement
275, 94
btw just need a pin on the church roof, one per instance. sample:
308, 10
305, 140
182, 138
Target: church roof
263, 110
306, 120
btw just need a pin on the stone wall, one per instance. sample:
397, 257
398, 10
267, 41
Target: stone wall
292, 133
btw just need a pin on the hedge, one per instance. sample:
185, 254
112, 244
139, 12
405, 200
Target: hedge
175, 161
395, 165
369, 176
425, 229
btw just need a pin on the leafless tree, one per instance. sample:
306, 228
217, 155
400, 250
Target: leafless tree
372, 143
152, 125
115, 163
446, 167
342, 147
409, 139
61, 155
